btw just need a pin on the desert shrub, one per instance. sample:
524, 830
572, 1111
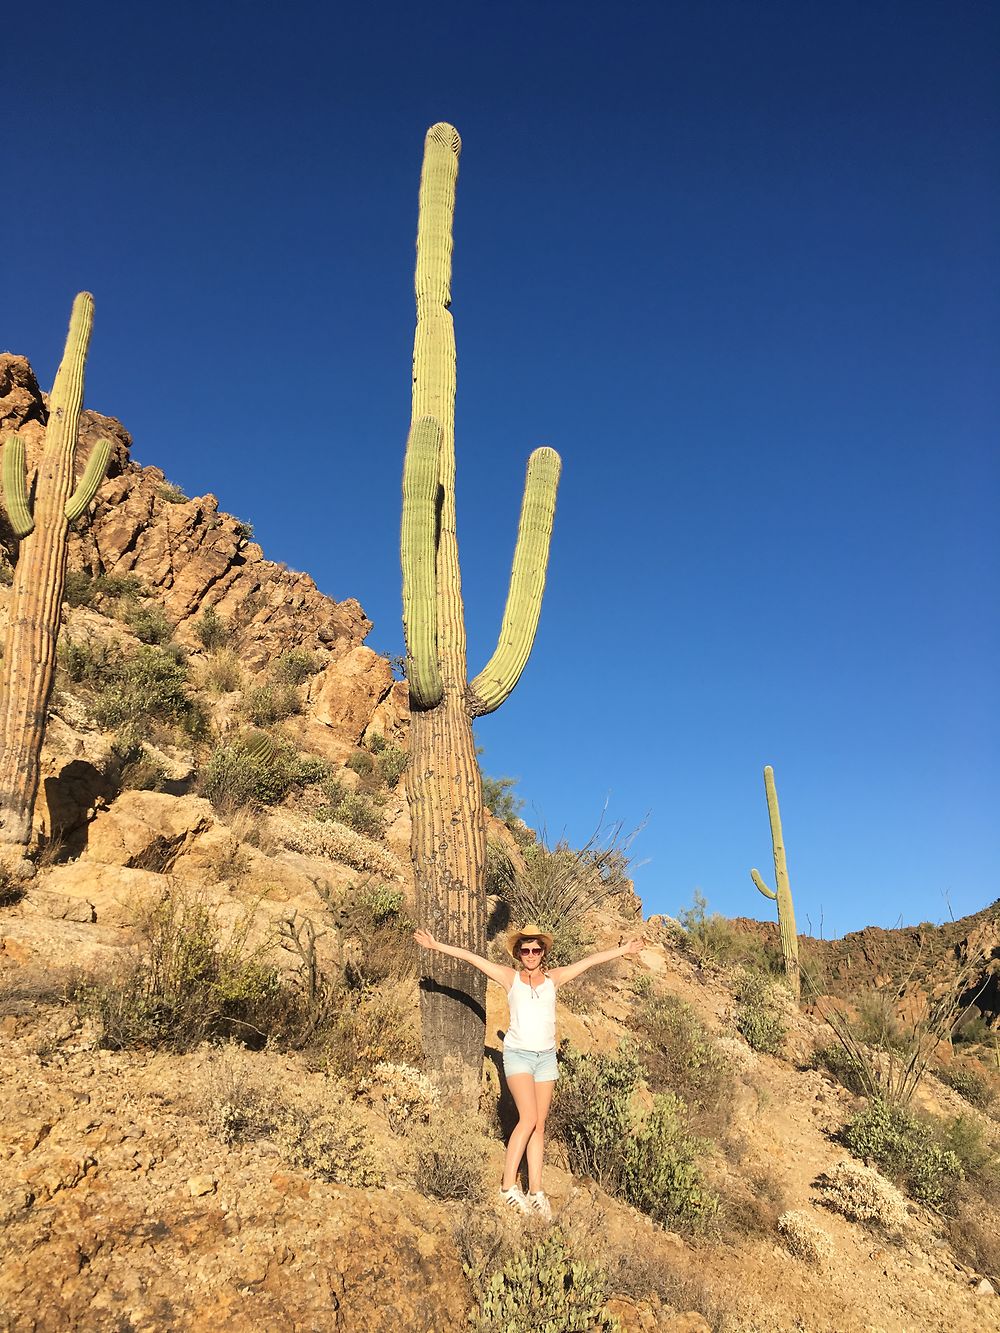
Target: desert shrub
148, 685
405, 1096
7, 571
337, 842
361, 762
751, 1205
972, 1029
212, 631
243, 529
392, 760
171, 493
877, 1024
649, 1160
263, 705
862, 1194
972, 1230
641, 985
713, 940
235, 1102
186, 984
372, 1027
222, 673
906, 1150
759, 1013
139, 770
449, 1156
352, 808
969, 1083
680, 1054
79, 588
294, 667
239, 774
83, 661
330, 1145
843, 1065
803, 1238
119, 586
148, 622
380, 902
542, 1288
558, 886
499, 798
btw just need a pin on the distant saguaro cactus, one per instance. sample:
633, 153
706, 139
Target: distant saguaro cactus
444, 788
42, 523
783, 895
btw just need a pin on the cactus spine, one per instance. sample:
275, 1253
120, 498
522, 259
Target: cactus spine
444, 788
783, 894
39, 579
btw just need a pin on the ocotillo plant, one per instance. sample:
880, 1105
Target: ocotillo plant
42, 523
783, 893
444, 788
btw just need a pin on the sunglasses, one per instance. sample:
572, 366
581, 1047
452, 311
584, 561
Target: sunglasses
531, 949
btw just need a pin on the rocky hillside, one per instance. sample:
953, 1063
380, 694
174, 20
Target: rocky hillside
213, 1113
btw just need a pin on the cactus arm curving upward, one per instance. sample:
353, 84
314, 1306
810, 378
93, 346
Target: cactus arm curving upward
418, 551
768, 893
93, 475
15, 487
527, 584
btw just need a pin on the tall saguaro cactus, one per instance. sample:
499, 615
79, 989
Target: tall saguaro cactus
41, 521
782, 893
444, 788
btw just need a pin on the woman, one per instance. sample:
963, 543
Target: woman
529, 1048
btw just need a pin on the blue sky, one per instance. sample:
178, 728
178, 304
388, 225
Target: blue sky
737, 262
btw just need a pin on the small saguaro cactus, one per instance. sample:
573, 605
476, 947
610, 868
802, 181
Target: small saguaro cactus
41, 521
783, 893
444, 787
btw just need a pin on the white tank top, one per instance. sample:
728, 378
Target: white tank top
532, 1016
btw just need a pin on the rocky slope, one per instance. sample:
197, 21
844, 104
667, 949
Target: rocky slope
148, 1189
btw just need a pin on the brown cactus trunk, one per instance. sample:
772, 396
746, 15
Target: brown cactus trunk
36, 602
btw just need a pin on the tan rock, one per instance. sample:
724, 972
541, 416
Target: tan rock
201, 1185
147, 830
345, 696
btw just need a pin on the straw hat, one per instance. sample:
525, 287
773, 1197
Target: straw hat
529, 932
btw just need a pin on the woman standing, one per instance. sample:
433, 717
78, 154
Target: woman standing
529, 1048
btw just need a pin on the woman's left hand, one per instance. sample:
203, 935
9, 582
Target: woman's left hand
636, 945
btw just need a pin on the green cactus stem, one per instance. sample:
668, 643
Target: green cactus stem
444, 788
783, 894
40, 576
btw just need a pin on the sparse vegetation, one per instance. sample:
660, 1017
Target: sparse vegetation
187, 984
294, 667
713, 940
372, 1027
803, 1238
907, 1150
171, 493
648, 1159
862, 1194
263, 705
239, 774
352, 808
147, 622
449, 1156
212, 631
969, 1083
760, 1011
129, 690
680, 1055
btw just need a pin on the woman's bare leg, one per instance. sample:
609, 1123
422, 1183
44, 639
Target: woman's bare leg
536, 1143
522, 1089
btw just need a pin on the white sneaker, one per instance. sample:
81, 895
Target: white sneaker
514, 1198
539, 1204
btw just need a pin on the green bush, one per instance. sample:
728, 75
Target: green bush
212, 631
263, 705
680, 1054
713, 940
969, 1083
759, 1011
499, 798
79, 588
650, 1160
542, 1289
845, 1067
294, 667
186, 985
371, 1027
148, 623
352, 808
239, 773
330, 1146
392, 760
381, 902
449, 1156
171, 493
361, 762
131, 690
907, 1150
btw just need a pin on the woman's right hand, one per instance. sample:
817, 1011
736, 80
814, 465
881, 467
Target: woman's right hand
425, 939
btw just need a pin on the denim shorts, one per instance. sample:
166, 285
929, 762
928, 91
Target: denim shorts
541, 1064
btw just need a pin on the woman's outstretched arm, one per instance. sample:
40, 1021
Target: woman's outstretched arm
503, 976
560, 975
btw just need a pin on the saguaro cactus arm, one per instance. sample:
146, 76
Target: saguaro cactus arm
15, 488
768, 893
527, 584
93, 475
418, 551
